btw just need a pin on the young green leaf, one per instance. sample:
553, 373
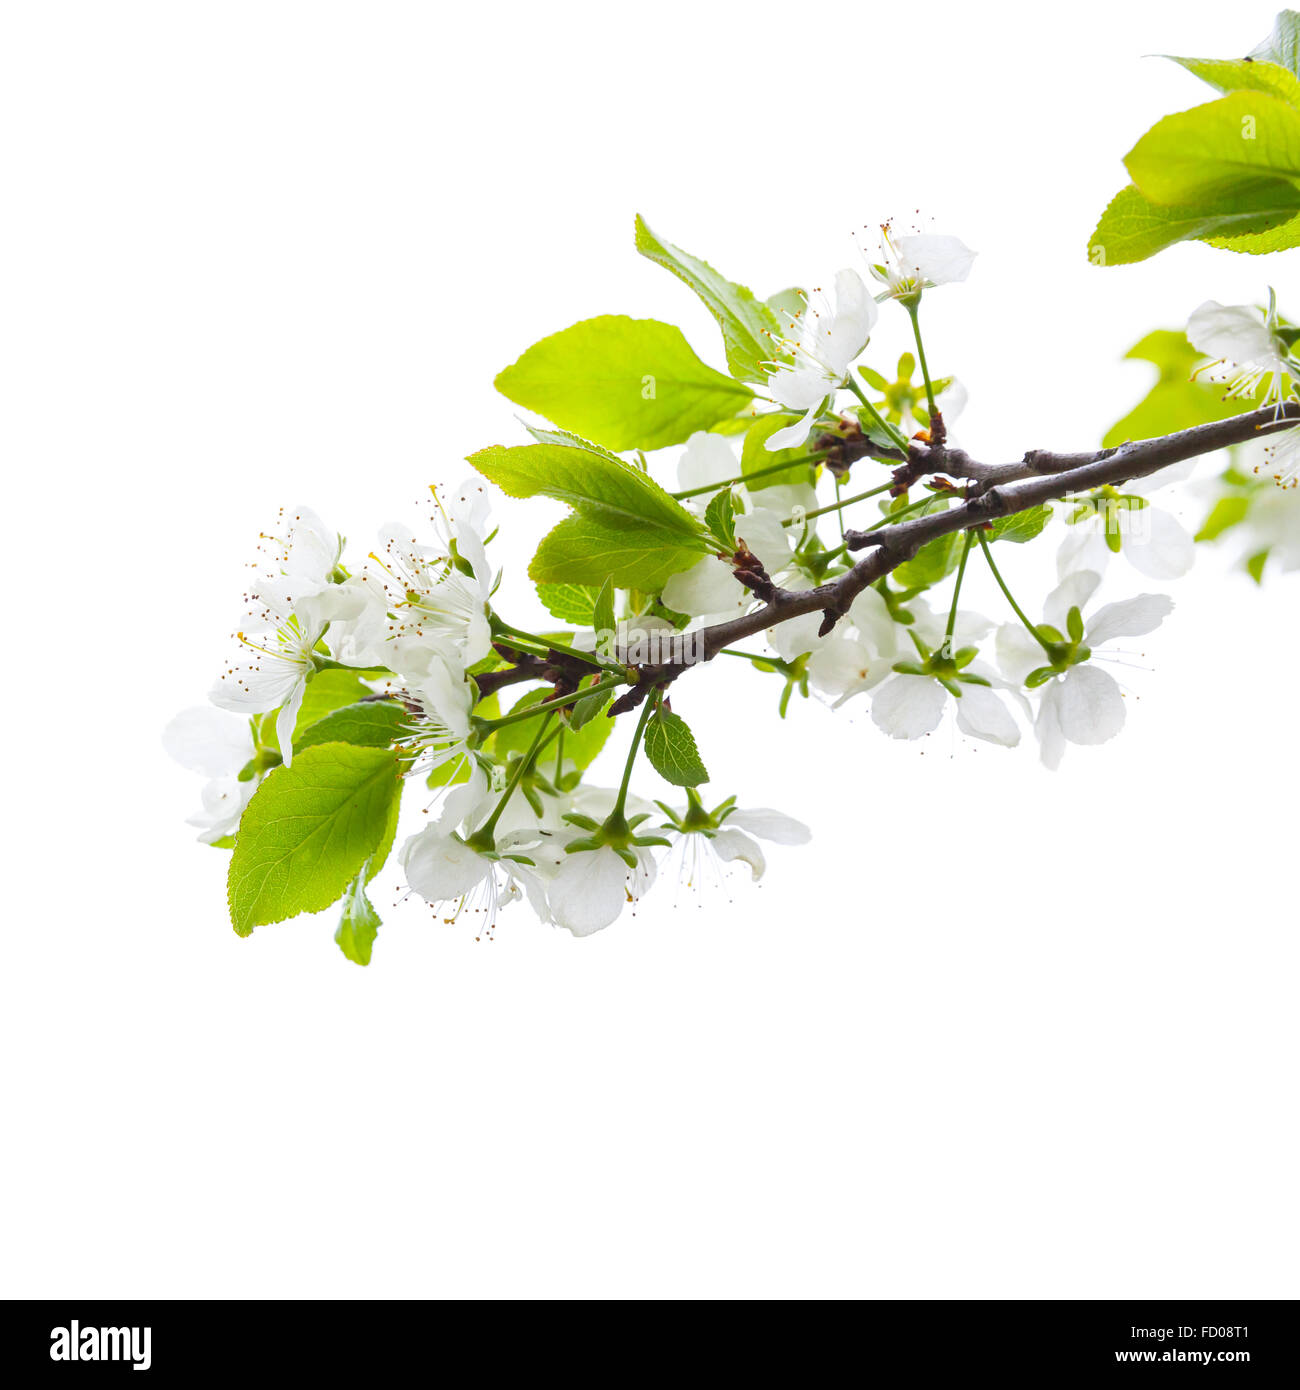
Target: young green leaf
720, 518
358, 925
1215, 151
591, 481
585, 734
625, 383
1244, 75
602, 616
670, 746
1133, 228
1226, 513
588, 549
1175, 402
747, 323
571, 603
368, 724
1021, 526
309, 830
1283, 43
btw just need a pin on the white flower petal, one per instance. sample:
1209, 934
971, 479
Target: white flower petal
730, 845
287, 718
791, 436
1084, 548
1089, 706
770, 825
1232, 331
707, 461
1047, 727
1166, 552
1017, 652
709, 587
1073, 591
908, 706
982, 714
215, 742
441, 868
841, 668
940, 260
790, 640
1131, 617
762, 532
589, 891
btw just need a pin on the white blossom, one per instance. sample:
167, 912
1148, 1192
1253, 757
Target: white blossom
1083, 704
219, 745
822, 342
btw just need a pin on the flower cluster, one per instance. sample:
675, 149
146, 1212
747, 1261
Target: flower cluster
352, 681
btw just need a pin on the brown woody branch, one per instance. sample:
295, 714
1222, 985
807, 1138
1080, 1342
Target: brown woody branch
995, 490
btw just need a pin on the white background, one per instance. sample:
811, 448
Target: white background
996, 1032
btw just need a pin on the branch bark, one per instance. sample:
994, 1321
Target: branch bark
995, 490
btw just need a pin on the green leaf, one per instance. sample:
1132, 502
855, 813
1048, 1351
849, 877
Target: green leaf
670, 746
359, 924
1132, 228
720, 518
625, 383
1021, 526
602, 614
329, 690
1217, 150
588, 729
369, 724
1244, 75
585, 550
755, 455
1283, 43
1226, 512
1255, 565
1279, 235
592, 481
1175, 402
746, 321
517, 739
571, 603
309, 830
935, 559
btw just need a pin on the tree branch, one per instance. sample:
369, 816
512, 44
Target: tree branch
996, 490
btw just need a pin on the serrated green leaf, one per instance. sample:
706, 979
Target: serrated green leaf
1283, 43
327, 690
1226, 512
592, 482
670, 746
720, 518
1021, 526
368, 724
571, 603
1244, 75
1133, 228
602, 615
358, 925
746, 322
625, 383
309, 830
587, 729
1225, 147
586, 550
